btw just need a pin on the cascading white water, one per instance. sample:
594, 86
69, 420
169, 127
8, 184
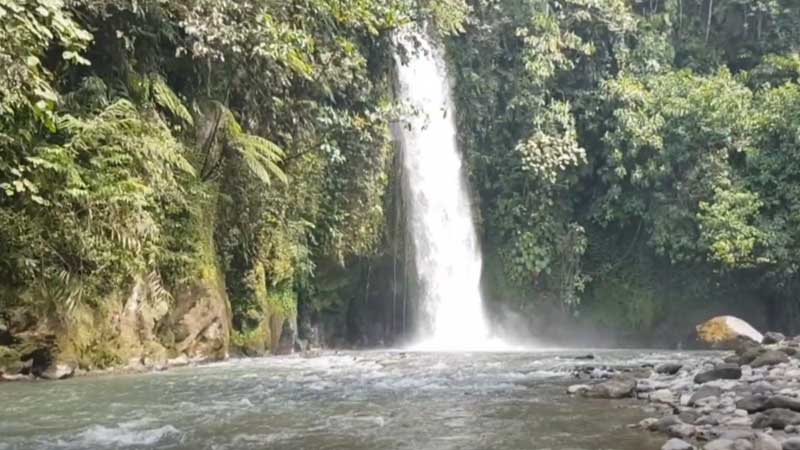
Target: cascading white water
440, 224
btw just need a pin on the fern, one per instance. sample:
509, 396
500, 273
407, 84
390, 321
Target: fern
166, 98
261, 156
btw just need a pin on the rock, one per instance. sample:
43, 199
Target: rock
776, 418
645, 385
770, 358
764, 441
719, 444
663, 424
288, 337
762, 387
645, 424
721, 372
688, 416
704, 392
682, 430
669, 369
179, 361
773, 337
736, 421
735, 434
726, 332
749, 354
639, 372
300, 345
712, 420
677, 444
753, 403
577, 389
780, 401
58, 371
662, 396
618, 387
792, 443
742, 444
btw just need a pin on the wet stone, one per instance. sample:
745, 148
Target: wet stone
720, 372
677, 444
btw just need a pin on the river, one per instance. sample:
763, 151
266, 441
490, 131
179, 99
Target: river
347, 400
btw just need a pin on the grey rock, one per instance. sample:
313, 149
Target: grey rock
773, 337
734, 434
669, 368
763, 441
647, 423
758, 403
703, 393
662, 396
688, 416
677, 444
770, 358
721, 372
753, 403
762, 387
776, 418
720, 444
59, 371
681, 430
742, 444
711, 419
617, 387
750, 354
577, 389
792, 443
663, 424
300, 345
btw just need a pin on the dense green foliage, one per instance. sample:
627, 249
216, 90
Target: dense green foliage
626, 155
609, 138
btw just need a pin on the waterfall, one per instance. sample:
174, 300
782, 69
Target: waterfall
440, 226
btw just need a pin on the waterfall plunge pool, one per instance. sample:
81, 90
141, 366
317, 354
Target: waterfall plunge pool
376, 400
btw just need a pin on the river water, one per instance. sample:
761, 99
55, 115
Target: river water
350, 400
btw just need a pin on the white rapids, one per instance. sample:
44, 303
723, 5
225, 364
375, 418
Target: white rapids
440, 225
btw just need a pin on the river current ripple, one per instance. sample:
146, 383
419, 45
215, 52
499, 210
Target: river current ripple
349, 400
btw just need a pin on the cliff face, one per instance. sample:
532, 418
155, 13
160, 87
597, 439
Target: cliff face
136, 327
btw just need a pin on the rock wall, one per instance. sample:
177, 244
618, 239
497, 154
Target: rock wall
138, 327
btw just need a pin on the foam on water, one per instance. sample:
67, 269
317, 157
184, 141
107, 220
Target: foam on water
125, 434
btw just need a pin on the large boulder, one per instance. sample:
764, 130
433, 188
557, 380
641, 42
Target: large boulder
727, 332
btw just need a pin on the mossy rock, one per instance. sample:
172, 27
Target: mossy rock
10, 360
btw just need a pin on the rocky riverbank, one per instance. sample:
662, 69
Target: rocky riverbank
748, 399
